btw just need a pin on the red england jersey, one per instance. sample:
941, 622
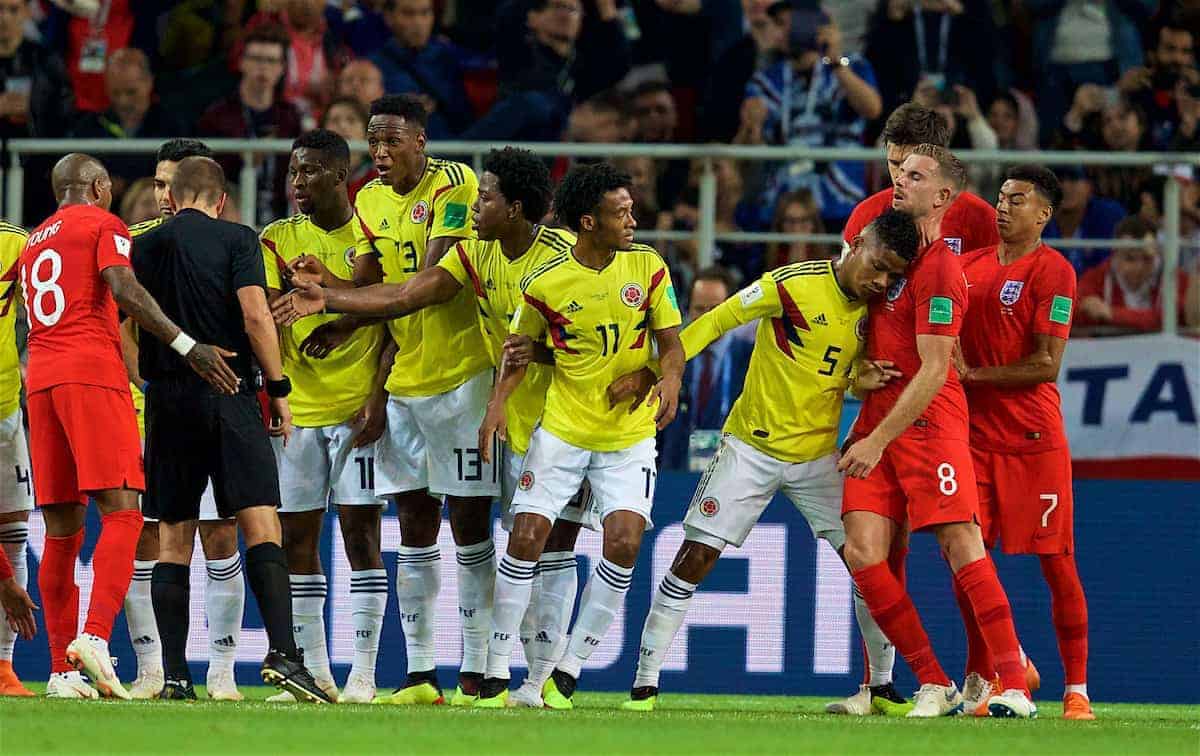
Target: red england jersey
1009, 306
73, 336
930, 300
969, 223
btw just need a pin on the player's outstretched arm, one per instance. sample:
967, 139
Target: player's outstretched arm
207, 360
385, 300
1040, 366
935, 353
671, 360
872, 375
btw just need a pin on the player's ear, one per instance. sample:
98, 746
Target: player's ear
587, 222
420, 141
515, 210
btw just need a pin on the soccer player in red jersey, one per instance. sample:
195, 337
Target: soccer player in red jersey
1020, 295
83, 436
969, 222
908, 462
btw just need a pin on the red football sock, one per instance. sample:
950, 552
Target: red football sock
60, 595
892, 608
1068, 607
979, 581
979, 658
112, 568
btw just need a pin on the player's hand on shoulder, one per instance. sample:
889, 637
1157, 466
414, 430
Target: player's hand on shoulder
666, 393
370, 421
307, 298
635, 385
494, 425
18, 608
874, 375
209, 363
860, 459
281, 419
310, 269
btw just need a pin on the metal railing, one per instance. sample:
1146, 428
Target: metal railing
705, 232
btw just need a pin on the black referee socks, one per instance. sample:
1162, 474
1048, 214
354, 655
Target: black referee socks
266, 566
169, 588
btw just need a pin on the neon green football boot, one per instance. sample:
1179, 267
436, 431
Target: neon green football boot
557, 691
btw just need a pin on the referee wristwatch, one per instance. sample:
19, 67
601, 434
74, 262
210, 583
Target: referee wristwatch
279, 389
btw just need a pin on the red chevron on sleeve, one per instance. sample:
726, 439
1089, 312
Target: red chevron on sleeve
556, 321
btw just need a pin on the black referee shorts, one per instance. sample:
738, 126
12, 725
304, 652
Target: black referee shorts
193, 434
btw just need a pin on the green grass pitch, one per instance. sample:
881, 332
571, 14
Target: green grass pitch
686, 724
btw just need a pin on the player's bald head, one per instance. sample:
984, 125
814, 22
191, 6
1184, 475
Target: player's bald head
76, 172
199, 181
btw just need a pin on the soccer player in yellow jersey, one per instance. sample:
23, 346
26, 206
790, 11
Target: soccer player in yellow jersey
601, 307
330, 457
438, 390
225, 592
781, 434
16, 493
514, 194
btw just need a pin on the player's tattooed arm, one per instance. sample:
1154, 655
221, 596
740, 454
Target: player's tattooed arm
129, 351
671, 360
207, 360
1040, 366
935, 353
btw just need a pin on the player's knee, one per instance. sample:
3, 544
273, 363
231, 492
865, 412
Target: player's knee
621, 546
961, 543
563, 536
471, 520
859, 552
219, 539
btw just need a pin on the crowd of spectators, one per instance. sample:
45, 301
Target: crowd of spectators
1107, 75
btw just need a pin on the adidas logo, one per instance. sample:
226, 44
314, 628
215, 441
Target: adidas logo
574, 307
226, 642
542, 637
820, 320
383, 225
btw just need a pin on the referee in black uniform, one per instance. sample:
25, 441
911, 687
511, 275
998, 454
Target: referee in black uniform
208, 276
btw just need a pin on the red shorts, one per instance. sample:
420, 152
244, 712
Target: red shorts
921, 481
1025, 501
82, 439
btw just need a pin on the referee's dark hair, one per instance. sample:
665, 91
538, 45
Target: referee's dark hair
523, 178
198, 179
897, 231
404, 106
1043, 179
175, 150
583, 188
332, 145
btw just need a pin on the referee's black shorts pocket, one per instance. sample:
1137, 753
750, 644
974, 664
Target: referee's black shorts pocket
245, 474
180, 446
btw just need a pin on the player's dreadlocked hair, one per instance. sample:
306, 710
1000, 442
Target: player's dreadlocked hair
405, 106
523, 178
332, 145
1043, 179
897, 231
175, 150
583, 188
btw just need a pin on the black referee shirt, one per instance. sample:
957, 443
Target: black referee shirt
193, 265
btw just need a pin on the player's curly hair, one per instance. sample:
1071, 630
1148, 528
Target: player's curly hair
1043, 179
897, 231
175, 150
523, 178
325, 141
583, 188
404, 106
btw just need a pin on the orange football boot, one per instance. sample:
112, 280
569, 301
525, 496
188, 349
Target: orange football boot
996, 689
1033, 680
1077, 706
9, 684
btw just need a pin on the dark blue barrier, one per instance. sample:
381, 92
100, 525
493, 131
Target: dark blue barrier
1138, 549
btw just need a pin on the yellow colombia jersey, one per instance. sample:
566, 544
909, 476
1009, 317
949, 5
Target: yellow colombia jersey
440, 347
599, 324
495, 282
327, 391
139, 401
12, 241
808, 338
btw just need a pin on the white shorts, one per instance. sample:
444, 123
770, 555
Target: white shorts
741, 481
554, 470
16, 479
582, 507
208, 502
430, 442
319, 467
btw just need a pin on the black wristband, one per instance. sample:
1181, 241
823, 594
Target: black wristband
280, 388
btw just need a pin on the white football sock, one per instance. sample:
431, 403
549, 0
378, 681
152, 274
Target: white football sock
368, 601
667, 610
881, 654
476, 586
1081, 689
13, 536
308, 622
551, 609
417, 585
602, 597
514, 584
139, 616
224, 602
529, 619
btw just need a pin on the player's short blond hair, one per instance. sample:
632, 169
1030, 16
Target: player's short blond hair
949, 166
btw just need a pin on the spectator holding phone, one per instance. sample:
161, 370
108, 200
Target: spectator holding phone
1167, 90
